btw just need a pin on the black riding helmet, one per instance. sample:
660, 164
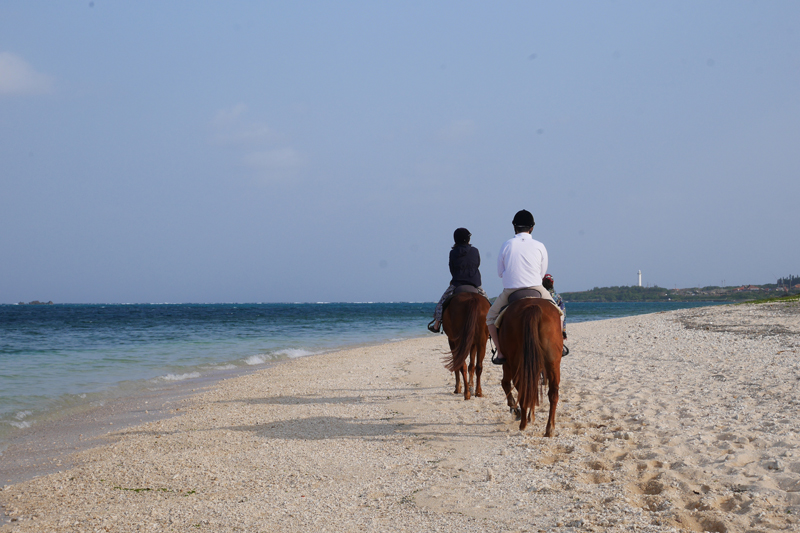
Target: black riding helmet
523, 219
461, 236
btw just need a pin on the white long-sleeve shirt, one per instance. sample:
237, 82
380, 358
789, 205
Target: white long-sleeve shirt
522, 262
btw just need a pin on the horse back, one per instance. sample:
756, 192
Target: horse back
459, 308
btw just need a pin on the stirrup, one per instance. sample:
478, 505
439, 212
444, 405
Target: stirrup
494, 353
495, 360
432, 328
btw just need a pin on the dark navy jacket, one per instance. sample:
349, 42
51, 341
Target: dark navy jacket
464, 262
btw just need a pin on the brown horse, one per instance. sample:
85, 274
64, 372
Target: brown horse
531, 341
464, 322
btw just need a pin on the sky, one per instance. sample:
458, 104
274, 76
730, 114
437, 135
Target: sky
326, 151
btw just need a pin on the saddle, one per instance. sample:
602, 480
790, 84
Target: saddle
459, 289
523, 293
516, 295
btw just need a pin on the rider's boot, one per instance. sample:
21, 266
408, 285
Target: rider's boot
499, 358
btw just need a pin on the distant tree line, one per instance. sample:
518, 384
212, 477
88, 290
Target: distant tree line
635, 293
790, 281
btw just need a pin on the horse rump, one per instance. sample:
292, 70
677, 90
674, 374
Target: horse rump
468, 309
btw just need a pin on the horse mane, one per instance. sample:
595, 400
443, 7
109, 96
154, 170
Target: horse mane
463, 343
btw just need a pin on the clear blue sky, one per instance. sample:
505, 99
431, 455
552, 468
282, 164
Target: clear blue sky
326, 151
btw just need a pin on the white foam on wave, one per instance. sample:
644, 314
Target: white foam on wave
20, 422
256, 360
291, 353
294, 352
219, 367
180, 377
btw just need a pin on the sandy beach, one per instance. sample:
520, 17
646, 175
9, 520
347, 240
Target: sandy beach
679, 421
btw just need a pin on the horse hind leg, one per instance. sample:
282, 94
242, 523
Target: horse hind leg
467, 385
456, 372
478, 372
552, 395
458, 382
513, 403
471, 371
506, 384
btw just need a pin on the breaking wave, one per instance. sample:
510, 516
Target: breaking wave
180, 377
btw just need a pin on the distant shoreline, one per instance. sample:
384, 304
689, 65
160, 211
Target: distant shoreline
660, 294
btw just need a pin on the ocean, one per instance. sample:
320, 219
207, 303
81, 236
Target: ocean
54, 358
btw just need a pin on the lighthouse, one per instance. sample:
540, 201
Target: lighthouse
640, 278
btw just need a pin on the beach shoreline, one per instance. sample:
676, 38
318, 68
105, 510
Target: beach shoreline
681, 420
35, 450
137, 402
68, 370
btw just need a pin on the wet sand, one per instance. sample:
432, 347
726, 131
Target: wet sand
685, 420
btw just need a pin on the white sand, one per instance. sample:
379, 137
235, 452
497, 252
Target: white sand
661, 427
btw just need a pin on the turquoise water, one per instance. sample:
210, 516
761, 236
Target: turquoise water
53, 357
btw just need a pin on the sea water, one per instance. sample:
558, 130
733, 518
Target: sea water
58, 357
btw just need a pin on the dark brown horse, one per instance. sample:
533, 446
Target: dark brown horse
464, 322
531, 341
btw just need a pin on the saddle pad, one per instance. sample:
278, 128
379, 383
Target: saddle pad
460, 288
517, 295
523, 293
499, 318
465, 288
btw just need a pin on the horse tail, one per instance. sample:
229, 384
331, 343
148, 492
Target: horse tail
527, 381
466, 338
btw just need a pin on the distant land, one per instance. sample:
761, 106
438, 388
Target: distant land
711, 293
36, 302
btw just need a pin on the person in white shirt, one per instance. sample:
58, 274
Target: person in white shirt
522, 263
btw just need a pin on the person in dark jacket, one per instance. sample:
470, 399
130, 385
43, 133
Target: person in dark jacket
465, 261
